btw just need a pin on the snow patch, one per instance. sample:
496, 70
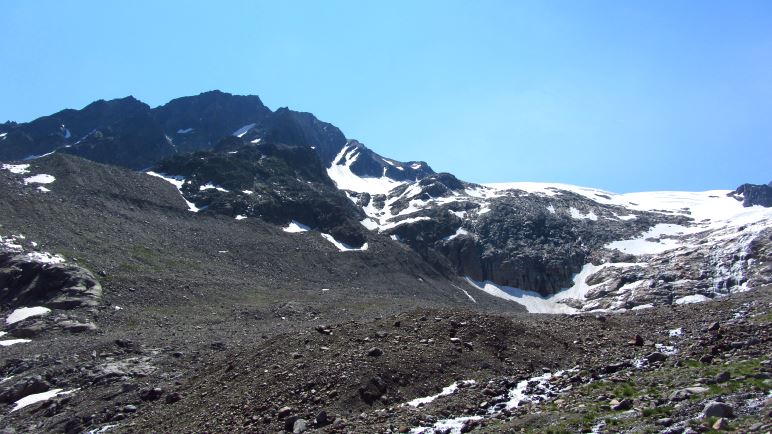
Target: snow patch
340, 172
444, 392
450, 426
676, 332
18, 169
45, 257
658, 239
176, 181
39, 179
689, 299
578, 215
9, 342
295, 227
343, 247
459, 232
240, 217
185, 131
210, 186
23, 313
40, 397
243, 130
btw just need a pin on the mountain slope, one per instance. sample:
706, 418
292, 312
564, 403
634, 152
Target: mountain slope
556, 248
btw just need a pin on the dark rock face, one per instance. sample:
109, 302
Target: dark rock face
197, 122
369, 164
64, 286
518, 241
66, 127
131, 143
754, 194
276, 183
301, 129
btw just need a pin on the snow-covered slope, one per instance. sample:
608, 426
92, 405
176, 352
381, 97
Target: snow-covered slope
560, 248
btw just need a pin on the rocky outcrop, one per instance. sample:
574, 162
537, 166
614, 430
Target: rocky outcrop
25, 282
754, 194
274, 182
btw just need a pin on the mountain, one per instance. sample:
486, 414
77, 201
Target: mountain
213, 265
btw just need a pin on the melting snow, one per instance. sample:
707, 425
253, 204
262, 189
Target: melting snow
45, 257
35, 157
532, 301
18, 169
536, 303
9, 342
39, 179
667, 350
518, 394
450, 426
445, 391
247, 191
695, 298
340, 172
343, 247
370, 224
459, 232
176, 181
210, 186
578, 215
39, 397
647, 243
185, 131
243, 130
43, 189
676, 332
23, 313
295, 227
2, 136
240, 217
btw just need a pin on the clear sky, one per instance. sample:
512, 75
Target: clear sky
621, 95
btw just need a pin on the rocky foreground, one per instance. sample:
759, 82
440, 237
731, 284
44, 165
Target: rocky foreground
676, 369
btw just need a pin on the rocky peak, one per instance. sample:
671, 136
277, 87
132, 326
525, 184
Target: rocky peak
754, 194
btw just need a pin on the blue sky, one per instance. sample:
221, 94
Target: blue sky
626, 96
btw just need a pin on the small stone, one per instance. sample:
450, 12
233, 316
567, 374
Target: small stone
151, 394
721, 424
284, 412
300, 426
173, 397
717, 409
638, 342
625, 404
723, 377
322, 419
714, 327
656, 357
706, 359
375, 352
130, 408
296, 355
